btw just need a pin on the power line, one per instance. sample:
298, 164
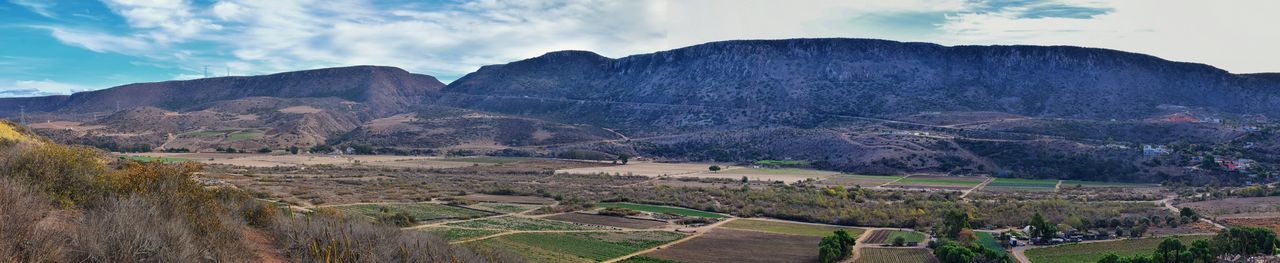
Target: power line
23, 115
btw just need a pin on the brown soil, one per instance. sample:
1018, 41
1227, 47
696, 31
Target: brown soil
727, 245
263, 246
509, 199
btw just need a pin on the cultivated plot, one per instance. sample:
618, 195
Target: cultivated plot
1018, 184
1092, 252
515, 199
1074, 183
458, 234
886, 237
503, 208
938, 182
578, 246
419, 211
523, 224
895, 255
731, 245
662, 209
860, 180
603, 220
788, 175
788, 228
649, 169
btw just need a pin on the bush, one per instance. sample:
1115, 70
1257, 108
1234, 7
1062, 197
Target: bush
321, 238
21, 211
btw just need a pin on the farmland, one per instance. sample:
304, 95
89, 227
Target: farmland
419, 211
613, 221
153, 159
456, 234
1097, 184
1091, 252
886, 237
730, 245
523, 224
860, 180
788, 228
987, 240
895, 255
503, 208
941, 182
1017, 184
662, 209
577, 247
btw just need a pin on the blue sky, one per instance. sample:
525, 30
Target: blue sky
60, 47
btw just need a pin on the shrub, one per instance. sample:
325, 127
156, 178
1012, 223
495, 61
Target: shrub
321, 238
21, 211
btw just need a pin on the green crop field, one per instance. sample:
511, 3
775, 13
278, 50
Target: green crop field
788, 228
248, 134
456, 234
153, 159
504, 208
522, 223
894, 255
906, 235
210, 133
1023, 184
577, 247
794, 171
662, 209
419, 211
644, 259
987, 240
1092, 252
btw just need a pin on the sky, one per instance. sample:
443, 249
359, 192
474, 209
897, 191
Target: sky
60, 47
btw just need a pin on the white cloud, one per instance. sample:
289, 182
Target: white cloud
39, 7
166, 20
101, 42
27, 88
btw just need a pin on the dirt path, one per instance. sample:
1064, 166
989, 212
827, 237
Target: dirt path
672, 243
1057, 187
1168, 204
263, 246
975, 188
1020, 254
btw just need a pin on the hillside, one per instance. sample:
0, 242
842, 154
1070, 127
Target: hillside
868, 78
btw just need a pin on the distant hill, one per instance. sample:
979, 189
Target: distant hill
382, 88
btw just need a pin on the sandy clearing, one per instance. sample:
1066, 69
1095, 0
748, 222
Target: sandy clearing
300, 110
700, 170
388, 122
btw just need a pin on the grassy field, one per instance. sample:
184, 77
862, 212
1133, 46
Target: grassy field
521, 223
232, 134
577, 247
644, 259
894, 255
202, 134
504, 208
662, 209
782, 162
419, 211
795, 171
907, 235
1022, 184
153, 159
1092, 252
987, 240
241, 135
456, 234
486, 159
788, 228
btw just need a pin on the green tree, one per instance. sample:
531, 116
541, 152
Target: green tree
1188, 213
264, 150
829, 250
1041, 229
1201, 251
952, 252
1169, 250
714, 168
624, 158
955, 221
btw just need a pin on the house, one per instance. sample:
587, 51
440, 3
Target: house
1152, 151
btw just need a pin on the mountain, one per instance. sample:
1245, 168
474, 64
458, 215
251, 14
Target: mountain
863, 77
382, 88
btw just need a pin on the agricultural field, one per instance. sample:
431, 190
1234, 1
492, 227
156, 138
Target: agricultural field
1238, 207
1018, 184
515, 199
788, 175
458, 234
1272, 223
895, 255
230, 135
503, 208
523, 224
885, 237
578, 246
153, 159
419, 211
938, 182
1097, 184
986, 239
731, 245
650, 169
662, 209
860, 180
603, 220
1092, 252
788, 228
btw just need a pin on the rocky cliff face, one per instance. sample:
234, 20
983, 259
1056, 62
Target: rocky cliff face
878, 78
